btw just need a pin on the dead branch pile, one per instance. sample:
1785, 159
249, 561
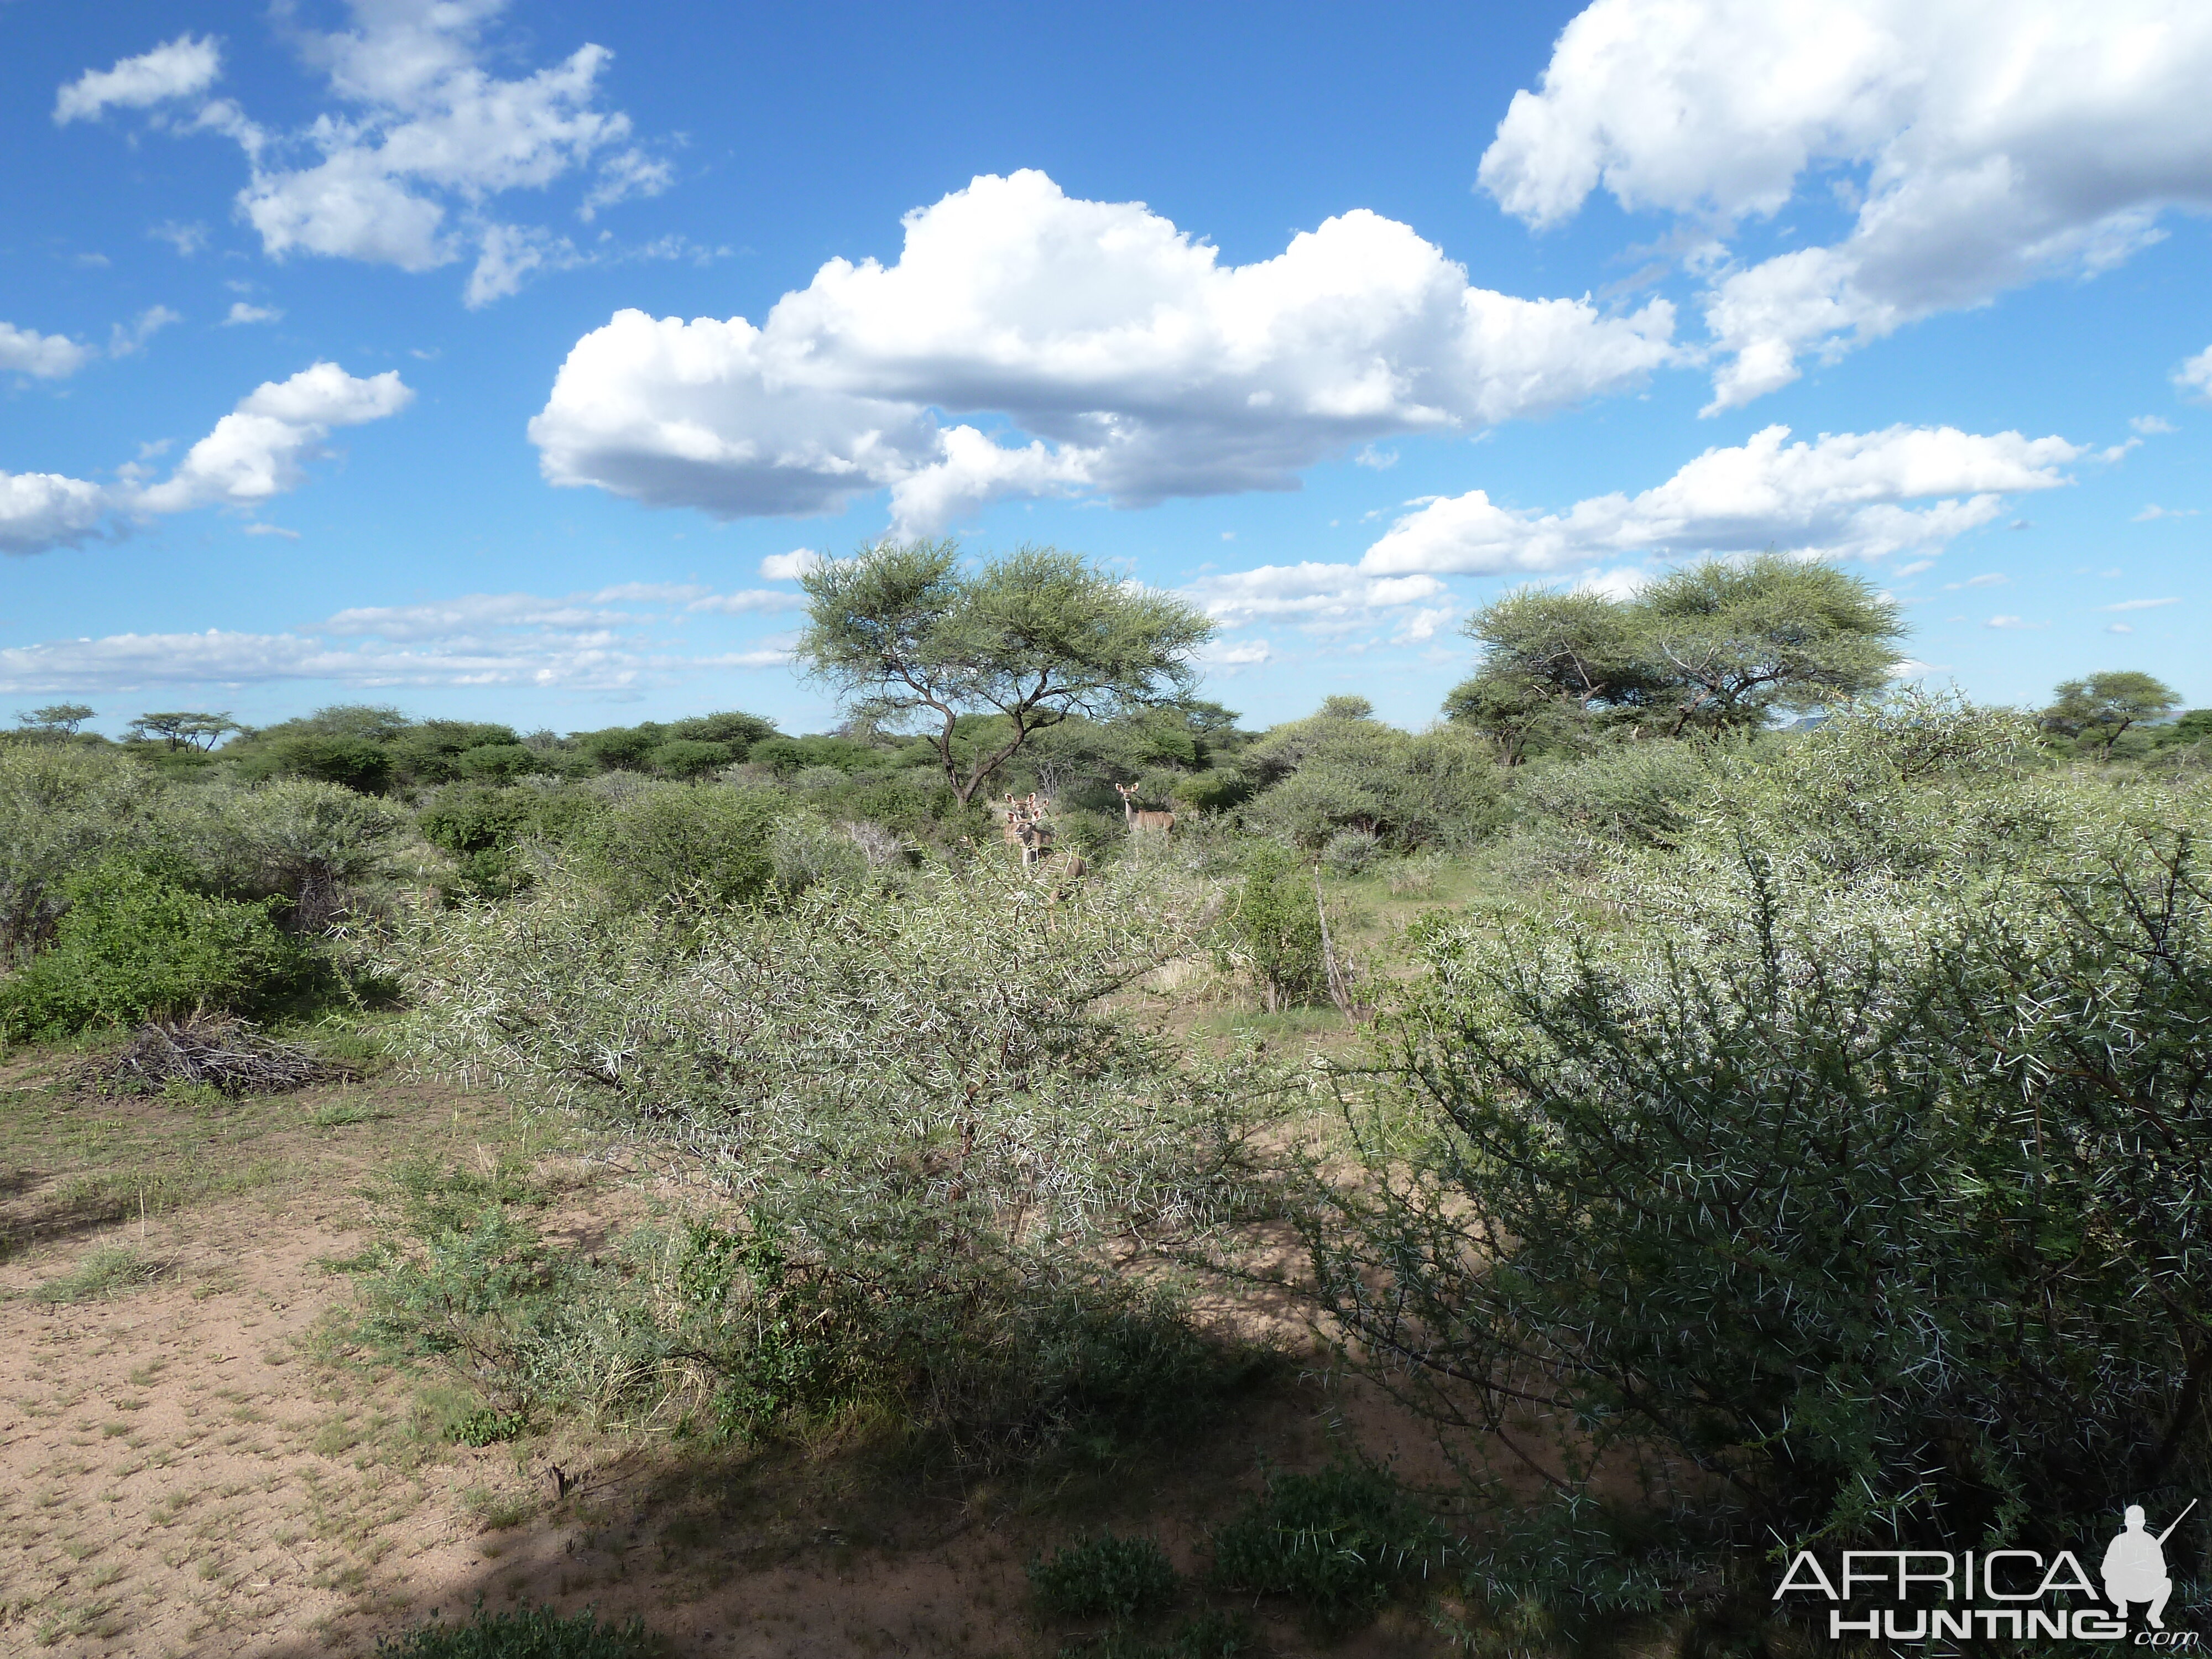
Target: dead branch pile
230, 1054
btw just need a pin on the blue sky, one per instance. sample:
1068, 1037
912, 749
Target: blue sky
509, 359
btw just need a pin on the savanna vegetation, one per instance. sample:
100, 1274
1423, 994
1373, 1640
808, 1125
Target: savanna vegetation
1729, 1103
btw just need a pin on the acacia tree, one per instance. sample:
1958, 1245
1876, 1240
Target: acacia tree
56, 719
1738, 639
183, 728
2103, 706
1549, 661
901, 632
1716, 644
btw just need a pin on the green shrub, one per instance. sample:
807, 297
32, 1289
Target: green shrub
61, 809
1348, 852
1861, 1187
135, 946
430, 751
738, 730
1315, 802
1215, 790
312, 844
1446, 792
1090, 833
1338, 1543
804, 850
487, 1426
1273, 926
1639, 794
1103, 1366
497, 763
525, 1633
1342, 770
1104, 1578
751, 1328
688, 757
477, 820
1893, 790
621, 748
484, 1296
436, 1197
918, 806
488, 831
920, 1155
674, 845
789, 755
350, 761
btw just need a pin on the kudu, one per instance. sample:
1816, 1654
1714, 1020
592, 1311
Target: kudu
1135, 818
1035, 837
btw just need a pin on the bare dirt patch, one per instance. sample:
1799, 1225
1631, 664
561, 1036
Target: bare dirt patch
189, 1466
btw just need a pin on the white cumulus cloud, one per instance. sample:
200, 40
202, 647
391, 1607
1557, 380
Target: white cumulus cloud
1841, 496
1844, 495
1227, 656
1986, 144
1130, 360
789, 566
187, 66
42, 510
49, 356
420, 138
256, 450
1324, 594
242, 313
2194, 377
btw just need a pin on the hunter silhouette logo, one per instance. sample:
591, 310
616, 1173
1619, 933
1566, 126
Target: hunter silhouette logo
2018, 1594
2135, 1566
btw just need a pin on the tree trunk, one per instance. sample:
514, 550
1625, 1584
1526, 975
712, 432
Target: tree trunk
1339, 992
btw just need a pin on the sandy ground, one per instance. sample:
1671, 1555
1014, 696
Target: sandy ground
186, 1470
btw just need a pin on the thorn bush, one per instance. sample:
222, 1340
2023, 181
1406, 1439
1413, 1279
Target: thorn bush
1104, 1578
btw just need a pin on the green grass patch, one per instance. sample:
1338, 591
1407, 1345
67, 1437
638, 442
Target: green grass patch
1338, 1543
191, 1096
495, 1512
359, 1050
1286, 1025
110, 1271
119, 1193
341, 1112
